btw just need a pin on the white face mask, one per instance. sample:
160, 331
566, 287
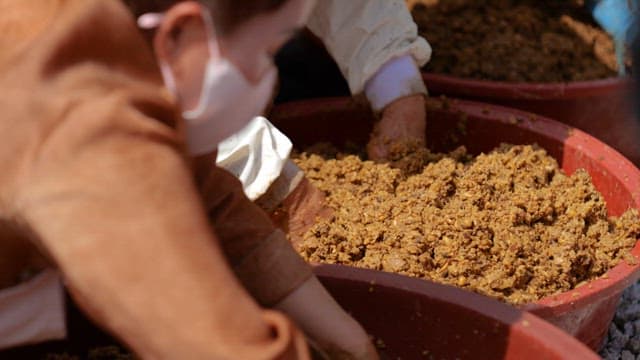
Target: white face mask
228, 101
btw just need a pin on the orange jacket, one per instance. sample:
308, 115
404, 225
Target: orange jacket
94, 172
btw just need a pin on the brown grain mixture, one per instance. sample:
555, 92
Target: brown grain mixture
514, 40
509, 224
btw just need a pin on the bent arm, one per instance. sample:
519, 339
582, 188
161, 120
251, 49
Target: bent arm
100, 181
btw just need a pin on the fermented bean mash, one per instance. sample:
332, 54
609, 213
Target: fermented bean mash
509, 224
515, 40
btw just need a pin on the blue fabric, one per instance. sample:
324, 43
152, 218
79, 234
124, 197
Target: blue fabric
620, 19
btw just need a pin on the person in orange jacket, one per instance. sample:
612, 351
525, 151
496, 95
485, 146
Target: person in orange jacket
98, 188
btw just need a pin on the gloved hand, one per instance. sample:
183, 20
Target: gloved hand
620, 19
331, 332
300, 210
403, 119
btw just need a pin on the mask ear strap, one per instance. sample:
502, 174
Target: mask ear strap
149, 21
212, 35
167, 76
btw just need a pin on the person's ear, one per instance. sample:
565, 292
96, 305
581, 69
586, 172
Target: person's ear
182, 26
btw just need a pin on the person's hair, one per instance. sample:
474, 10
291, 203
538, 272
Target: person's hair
227, 14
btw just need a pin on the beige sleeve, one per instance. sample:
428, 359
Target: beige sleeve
363, 35
95, 171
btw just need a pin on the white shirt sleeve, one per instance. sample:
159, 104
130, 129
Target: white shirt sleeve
257, 155
33, 311
365, 35
398, 78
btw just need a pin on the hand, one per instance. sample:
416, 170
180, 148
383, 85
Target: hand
300, 210
332, 333
403, 119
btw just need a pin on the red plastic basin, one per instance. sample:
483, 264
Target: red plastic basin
585, 312
417, 319
602, 108
412, 318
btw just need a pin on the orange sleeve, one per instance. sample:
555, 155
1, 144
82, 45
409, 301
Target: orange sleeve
94, 171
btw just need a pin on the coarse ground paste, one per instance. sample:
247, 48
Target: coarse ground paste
515, 40
509, 224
